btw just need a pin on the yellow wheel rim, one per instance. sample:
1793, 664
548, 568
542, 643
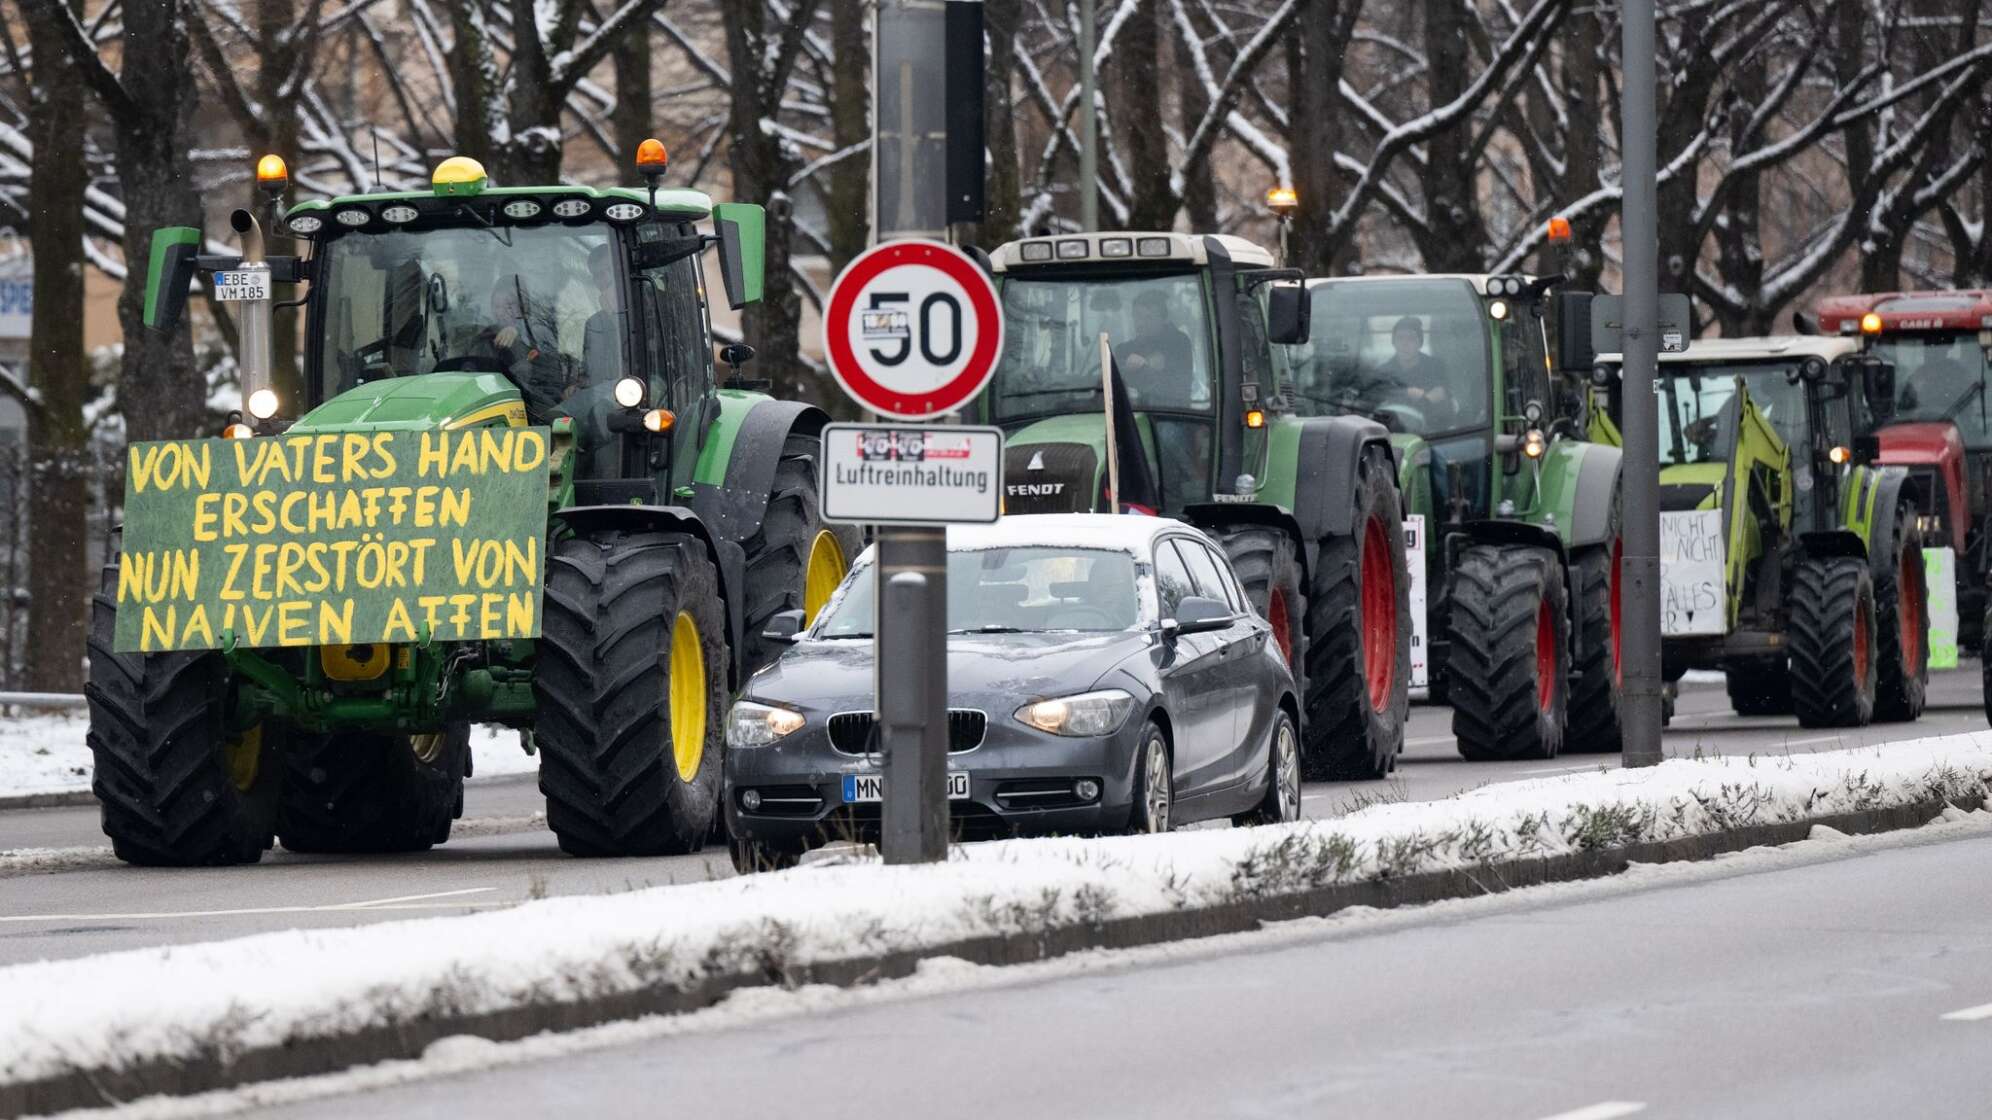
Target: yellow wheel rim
688, 696
244, 757
823, 573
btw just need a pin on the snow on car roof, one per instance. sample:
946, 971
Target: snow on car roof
1130, 533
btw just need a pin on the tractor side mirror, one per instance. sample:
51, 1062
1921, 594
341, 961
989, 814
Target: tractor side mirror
783, 626
743, 232
169, 275
1880, 387
1575, 352
1288, 314
735, 355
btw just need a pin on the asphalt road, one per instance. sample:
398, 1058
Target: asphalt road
87, 903
1761, 995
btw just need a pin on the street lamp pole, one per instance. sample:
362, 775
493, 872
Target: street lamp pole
1638, 223
1089, 128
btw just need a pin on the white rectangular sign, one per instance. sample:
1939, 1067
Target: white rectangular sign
1693, 597
1940, 584
1414, 558
911, 474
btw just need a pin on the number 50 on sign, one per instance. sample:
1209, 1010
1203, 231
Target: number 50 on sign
912, 329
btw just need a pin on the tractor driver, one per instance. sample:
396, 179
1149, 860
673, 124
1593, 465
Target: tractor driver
511, 341
1156, 360
1422, 376
601, 354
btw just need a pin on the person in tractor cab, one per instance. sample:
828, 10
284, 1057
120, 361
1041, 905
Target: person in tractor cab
601, 347
1422, 376
1157, 358
1940, 384
512, 339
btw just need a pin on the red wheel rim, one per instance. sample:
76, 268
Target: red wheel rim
1860, 644
1545, 657
1909, 608
1276, 613
1618, 561
1379, 615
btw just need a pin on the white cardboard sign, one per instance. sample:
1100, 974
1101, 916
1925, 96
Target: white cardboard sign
1414, 558
911, 474
1693, 596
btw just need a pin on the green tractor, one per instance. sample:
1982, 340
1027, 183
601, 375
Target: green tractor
670, 519
1789, 560
1192, 417
1498, 471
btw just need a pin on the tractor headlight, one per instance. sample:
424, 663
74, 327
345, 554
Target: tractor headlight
757, 725
629, 392
263, 403
1533, 444
1087, 714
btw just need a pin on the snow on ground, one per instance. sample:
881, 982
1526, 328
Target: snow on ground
44, 752
273, 988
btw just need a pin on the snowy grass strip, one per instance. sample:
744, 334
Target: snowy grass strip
194, 1017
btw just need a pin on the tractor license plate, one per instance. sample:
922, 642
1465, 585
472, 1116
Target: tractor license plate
871, 787
235, 287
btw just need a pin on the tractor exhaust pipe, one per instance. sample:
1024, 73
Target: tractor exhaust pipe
255, 343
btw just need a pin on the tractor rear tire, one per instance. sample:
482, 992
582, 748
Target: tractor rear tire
177, 789
1357, 690
1902, 621
362, 791
1268, 568
1760, 687
794, 560
1509, 662
1597, 686
632, 660
1832, 642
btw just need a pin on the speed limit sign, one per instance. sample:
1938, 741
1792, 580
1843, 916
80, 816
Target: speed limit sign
912, 329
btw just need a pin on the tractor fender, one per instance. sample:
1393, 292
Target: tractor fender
1212, 516
1833, 542
1329, 454
1870, 504
726, 554
735, 506
1592, 514
1502, 532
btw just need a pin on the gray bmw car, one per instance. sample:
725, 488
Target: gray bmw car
1104, 674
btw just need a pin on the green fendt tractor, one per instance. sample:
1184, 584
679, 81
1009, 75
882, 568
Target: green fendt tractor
1522, 508
1306, 507
1788, 560
515, 385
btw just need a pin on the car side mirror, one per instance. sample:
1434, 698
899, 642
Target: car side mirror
1287, 314
784, 626
1198, 615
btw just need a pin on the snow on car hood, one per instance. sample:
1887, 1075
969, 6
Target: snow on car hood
836, 674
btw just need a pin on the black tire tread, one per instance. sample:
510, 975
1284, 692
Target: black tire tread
1491, 664
368, 792
1594, 686
1760, 687
778, 552
1825, 593
1900, 689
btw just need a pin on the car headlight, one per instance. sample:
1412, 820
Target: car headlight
1089, 713
756, 725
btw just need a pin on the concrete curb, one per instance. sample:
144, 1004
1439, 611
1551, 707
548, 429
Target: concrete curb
61, 799
97, 1087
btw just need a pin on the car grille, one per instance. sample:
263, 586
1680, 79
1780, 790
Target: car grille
1049, 478
857, 732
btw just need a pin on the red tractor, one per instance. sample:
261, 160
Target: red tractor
1942, 429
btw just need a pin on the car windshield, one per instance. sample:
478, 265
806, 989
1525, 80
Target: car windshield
1694, 426
1051, 344
1010, 590
537, 303
1941, 376
1413, 353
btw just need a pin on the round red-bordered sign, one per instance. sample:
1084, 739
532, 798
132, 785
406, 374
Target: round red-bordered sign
912, 329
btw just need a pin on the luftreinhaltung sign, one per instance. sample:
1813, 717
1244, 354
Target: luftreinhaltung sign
333, 538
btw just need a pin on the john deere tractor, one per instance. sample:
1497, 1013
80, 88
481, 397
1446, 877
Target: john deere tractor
1789, 560
549, 347
1521, 508
1191, 416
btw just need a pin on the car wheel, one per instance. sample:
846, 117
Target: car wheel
751, 856
1282, 800
1154, 786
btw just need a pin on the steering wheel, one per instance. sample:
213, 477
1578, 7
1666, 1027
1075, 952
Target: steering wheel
1061, 619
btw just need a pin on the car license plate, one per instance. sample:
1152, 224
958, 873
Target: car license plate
871, 787
234, 287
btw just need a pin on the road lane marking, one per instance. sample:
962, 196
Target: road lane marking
244, 912
1969, 1014
1603, 1110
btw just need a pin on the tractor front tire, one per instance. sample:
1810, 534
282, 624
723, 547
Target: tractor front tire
1759, 687
1902, 622
1597, 686
1509, 662
794, 560
1357, 690
1832, 642
177, 788
631, 687
358, 791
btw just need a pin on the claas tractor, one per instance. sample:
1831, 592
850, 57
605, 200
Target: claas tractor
1497, 467
1187, 411
513, 489
1790, 560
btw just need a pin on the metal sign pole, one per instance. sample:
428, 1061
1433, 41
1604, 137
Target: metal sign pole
1640, 586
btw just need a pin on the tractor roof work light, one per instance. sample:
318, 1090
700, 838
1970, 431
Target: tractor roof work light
271, 173
1871, 323
651, 158
459, 177
1558, 230
1282, 200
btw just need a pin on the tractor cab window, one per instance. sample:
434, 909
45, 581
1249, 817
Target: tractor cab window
535, 303
675, 347
1051, 351
1699, 414
1941, 377
1412, 353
